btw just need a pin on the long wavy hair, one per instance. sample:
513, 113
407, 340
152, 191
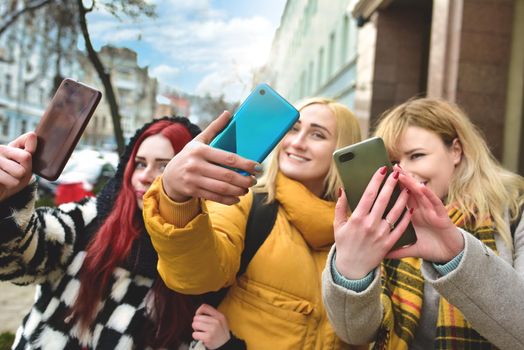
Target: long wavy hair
347, 132
480, 186
171, 313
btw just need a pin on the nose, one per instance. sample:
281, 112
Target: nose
298, 140
147, 176
407, 168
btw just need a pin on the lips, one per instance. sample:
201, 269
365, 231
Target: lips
139, 193
297, 157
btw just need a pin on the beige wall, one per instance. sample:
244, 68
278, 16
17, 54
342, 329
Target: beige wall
482, 80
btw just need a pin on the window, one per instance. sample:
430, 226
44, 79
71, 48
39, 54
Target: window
4, 125
310, 86
7, 85
320, 74
303, 81
23, 127
331, 53
344, 41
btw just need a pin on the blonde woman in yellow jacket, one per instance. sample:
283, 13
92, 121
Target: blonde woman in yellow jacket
196, 214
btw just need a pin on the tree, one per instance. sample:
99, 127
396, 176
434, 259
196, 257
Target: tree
68, 18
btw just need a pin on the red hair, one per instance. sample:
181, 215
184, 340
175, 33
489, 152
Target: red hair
111, 245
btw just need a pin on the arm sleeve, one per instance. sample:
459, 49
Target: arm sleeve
204, 255
355, 316
37, 245
487, 290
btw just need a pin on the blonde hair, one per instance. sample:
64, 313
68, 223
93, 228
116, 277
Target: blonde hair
480, 186
347, 132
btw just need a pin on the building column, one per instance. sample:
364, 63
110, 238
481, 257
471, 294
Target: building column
513, 158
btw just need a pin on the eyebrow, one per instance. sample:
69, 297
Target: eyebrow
414, 150
315, 125
156, 159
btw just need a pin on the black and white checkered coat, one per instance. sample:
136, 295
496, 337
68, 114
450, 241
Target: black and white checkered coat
47, 247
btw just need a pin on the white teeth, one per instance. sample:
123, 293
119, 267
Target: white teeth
292, 156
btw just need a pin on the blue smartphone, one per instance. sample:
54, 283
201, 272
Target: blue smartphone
258, 125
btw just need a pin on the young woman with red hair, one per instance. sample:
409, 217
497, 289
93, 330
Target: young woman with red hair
95, 266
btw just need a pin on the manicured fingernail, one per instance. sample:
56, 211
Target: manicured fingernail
254, 181
411, 210
339, 192
395, 175
408, 191
259, 168
384, 170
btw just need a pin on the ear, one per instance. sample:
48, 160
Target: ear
456, 151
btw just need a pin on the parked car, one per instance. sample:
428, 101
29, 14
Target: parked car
84, 174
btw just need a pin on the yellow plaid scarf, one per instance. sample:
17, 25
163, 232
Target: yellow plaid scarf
403, 293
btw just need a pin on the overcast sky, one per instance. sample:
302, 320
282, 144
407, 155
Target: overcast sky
197, 46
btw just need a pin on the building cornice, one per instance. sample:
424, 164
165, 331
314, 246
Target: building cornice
363, 9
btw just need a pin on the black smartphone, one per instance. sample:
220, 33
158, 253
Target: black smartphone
62, 125
356, 164
258, 125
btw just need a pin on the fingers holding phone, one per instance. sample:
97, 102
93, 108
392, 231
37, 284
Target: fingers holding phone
16, 164
438, 239
206, 172
366, 237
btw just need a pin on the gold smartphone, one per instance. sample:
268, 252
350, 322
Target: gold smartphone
356, 164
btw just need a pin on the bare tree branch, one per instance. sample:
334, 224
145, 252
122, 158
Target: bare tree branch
104, 77
11, 18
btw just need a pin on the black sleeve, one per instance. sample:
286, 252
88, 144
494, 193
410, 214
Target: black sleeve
233, 343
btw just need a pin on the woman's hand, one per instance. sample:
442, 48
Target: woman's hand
364, 239
200, 170
438, 239
210, 327
16, 164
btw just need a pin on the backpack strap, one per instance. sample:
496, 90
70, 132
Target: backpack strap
260, 222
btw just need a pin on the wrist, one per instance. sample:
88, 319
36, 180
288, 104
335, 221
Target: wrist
172, 194
455, 245
350, 269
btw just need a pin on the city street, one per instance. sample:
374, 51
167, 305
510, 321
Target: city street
15, 302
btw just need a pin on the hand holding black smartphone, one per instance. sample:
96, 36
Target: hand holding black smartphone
62, 125
356, 165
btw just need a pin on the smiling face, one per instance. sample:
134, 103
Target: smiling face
306, 151
151, 158
423, 154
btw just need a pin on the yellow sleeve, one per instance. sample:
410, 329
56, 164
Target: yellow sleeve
204, 255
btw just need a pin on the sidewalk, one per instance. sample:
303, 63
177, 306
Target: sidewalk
15, 302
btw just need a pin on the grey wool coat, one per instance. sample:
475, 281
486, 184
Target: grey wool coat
487, 288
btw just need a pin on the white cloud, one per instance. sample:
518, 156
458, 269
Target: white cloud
164, 73
192, 37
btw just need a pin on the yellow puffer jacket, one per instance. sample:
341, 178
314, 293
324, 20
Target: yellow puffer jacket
277, 303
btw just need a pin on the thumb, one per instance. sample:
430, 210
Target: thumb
341, 210
26, 142
31, 142
214, 128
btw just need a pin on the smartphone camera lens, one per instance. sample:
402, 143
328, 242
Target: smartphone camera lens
262, 91
347, 157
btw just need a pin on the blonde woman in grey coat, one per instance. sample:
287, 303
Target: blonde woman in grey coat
461, 285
